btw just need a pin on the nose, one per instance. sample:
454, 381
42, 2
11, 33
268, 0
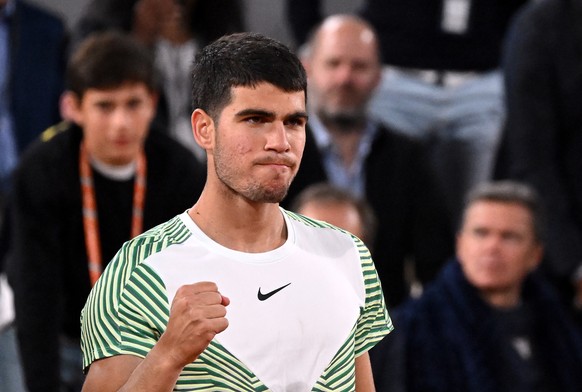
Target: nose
344, 74
493, 243
277, 139
121, 119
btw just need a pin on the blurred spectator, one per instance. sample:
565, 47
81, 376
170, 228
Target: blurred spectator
32, 57
543, 140
489, 322
441, 81
175, 30
338, 207
80, 192
354, 152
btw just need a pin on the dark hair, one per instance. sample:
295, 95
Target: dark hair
328, 193
242, 59
108, 60
508, 191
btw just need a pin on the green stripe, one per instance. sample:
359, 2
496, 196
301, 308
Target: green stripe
144, 312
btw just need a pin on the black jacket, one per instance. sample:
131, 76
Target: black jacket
450, 340
543, 139
47, 265
412, 220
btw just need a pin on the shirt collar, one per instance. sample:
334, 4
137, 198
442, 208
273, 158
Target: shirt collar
320, 134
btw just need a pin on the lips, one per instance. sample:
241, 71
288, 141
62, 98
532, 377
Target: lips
121, 142
278, 162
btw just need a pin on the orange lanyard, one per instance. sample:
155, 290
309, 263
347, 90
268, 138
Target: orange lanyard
90, 218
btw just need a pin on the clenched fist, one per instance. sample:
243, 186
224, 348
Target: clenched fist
197, 314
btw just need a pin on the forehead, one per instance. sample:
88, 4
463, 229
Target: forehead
496, 214
265, 96
346, 40
339, 213
117, 92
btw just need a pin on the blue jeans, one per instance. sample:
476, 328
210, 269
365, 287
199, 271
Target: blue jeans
11, 377
460, 125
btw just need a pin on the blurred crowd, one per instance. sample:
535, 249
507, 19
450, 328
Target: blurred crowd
446, 134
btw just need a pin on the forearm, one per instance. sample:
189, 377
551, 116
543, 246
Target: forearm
364, 379
154, 373
196, 316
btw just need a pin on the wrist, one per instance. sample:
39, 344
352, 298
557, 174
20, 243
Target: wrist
165, 360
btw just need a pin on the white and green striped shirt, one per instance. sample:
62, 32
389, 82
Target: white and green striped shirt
326, 306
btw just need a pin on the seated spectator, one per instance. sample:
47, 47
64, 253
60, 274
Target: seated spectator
80, 192
338, 207
354, 152
441, 80
490, 321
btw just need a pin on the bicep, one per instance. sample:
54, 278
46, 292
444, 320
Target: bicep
110, 374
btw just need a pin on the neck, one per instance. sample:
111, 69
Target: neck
505, 299
239, 224
114, 172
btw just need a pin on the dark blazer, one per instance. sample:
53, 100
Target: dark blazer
543, 139
37, 55
450, 340
412, 219
47, 263
38, 45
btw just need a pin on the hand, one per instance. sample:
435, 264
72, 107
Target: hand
197, 314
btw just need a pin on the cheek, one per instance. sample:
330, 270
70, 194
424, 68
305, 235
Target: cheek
366, 84
95, 132
243, 148
462, 249
297, 142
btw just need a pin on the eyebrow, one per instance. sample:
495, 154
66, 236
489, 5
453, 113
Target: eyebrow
269, 114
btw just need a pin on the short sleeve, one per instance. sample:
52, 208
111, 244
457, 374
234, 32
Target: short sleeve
374, 322
123, 311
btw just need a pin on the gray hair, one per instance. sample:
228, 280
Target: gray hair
508, 191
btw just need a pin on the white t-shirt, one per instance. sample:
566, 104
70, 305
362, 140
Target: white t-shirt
299, 315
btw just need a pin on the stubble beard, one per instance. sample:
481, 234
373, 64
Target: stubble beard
247, 188
345, 119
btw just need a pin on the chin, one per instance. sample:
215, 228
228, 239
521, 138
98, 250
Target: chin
272, 195
121, 160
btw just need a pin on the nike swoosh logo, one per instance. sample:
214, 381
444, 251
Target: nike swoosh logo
268, 295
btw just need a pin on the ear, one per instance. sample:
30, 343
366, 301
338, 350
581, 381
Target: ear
203, 129
537, 256
305, 61
459, 249
155, 97
70, 107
